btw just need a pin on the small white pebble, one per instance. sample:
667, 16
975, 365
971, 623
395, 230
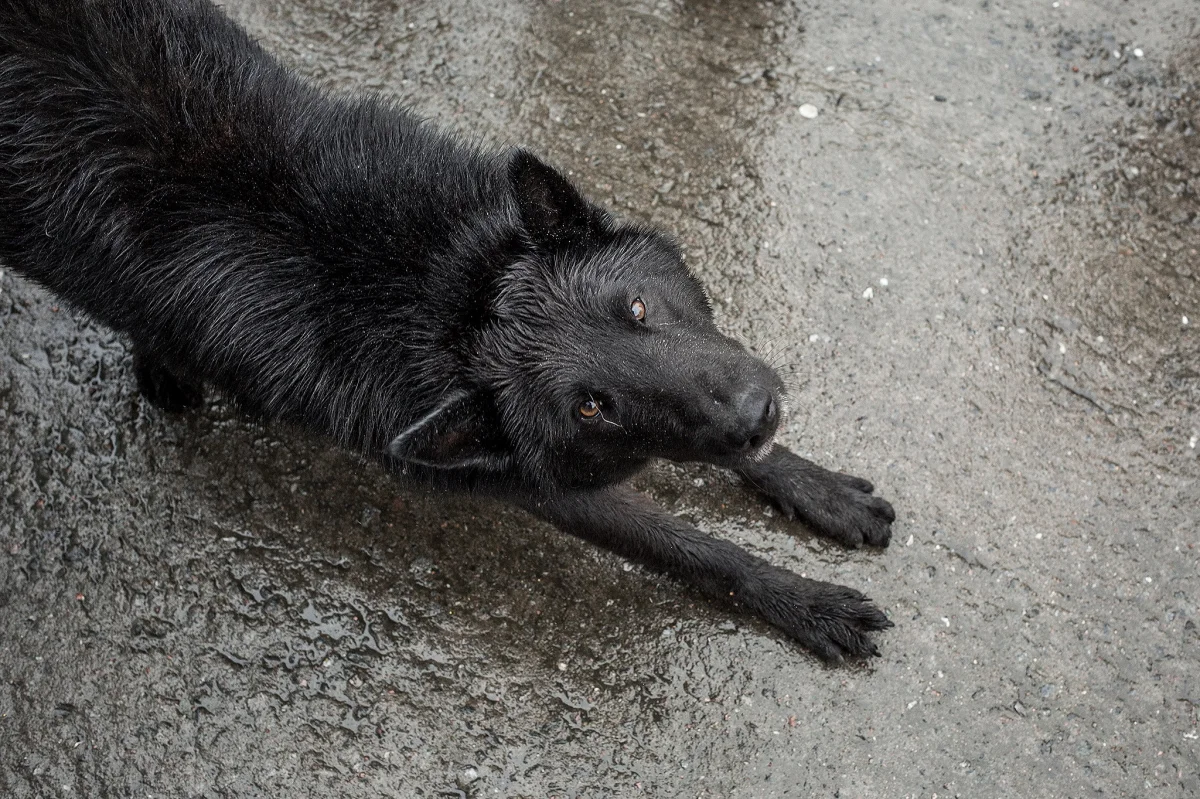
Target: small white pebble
945, 621
908, 543
869, 293
1193, 441
830, 68
1137, 52
1185, 320
883, 281
809, 111
1149, 579
1038, 536
1116, 53
814, 337
562, 666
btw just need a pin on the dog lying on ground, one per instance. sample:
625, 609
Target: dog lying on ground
464, 317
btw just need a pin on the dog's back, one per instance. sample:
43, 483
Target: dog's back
164, 174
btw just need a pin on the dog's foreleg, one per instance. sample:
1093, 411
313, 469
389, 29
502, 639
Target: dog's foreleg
835, 505
831, 620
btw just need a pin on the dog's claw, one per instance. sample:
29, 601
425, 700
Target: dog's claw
862, 484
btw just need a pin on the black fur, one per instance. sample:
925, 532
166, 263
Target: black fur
464, 316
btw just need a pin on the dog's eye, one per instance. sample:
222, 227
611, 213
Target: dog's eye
638, 309
589, 409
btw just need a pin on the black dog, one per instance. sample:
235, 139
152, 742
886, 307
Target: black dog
465, 317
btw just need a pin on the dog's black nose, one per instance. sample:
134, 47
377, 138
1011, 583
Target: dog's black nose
758, 413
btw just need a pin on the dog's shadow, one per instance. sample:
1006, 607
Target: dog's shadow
308, 519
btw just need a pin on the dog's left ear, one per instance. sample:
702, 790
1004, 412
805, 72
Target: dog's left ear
457, 434
552, 210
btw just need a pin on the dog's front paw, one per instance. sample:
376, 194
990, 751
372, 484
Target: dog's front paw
847, 512
838, 506
832, 621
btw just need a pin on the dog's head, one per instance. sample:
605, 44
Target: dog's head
599, 352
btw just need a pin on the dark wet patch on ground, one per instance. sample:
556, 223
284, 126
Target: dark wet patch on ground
1133, 223
657, 109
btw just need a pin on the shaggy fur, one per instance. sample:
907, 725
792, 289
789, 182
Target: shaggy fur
463, 316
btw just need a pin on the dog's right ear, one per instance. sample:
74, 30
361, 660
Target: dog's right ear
552, 210
457, 434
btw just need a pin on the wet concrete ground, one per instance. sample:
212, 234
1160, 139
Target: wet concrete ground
978, 266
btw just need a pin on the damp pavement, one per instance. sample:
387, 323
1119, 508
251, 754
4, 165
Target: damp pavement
967, 233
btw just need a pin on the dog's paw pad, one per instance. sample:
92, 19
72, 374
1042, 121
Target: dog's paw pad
167, 392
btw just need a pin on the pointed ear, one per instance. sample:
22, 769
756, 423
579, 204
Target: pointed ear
552, 210
457, 434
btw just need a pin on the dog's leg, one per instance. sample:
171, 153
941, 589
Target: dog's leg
164, 388
831, 620
835, 505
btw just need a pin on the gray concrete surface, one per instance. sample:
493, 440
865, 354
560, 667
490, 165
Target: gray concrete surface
974, 265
